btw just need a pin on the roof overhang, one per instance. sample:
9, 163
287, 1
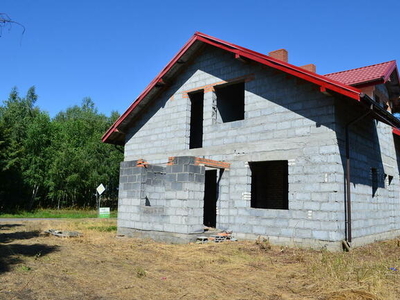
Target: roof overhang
379, 113
396, 131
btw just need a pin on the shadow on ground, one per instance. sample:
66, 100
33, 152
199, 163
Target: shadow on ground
8, 226
12, 253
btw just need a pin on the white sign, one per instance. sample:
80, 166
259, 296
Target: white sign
100, 189
104, 212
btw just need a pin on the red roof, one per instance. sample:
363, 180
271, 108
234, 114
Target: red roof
115, 134
374, 74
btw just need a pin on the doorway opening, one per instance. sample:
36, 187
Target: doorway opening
210, 198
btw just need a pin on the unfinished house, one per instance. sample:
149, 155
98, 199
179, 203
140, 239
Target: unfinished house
229, 138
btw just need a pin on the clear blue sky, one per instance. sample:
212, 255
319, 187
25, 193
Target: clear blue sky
110, 50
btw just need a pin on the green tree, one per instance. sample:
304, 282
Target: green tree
15, 118
54, 162
37, 157
82, 162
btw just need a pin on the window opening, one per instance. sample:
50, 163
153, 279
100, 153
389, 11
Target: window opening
269, 184
196, 119
230, 102
374, 181
390, 179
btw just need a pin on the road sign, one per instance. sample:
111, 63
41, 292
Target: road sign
100, 189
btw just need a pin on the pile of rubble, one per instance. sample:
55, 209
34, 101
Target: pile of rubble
61, 233
216, 238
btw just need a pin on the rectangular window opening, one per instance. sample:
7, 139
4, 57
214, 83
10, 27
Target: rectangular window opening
230, 102
196, 119
270, 184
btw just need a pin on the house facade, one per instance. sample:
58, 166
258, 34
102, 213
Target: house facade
229, 138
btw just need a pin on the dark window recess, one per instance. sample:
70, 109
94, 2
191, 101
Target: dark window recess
196, 119
269, 184
210, 198
374, 181
230, 102
390, 179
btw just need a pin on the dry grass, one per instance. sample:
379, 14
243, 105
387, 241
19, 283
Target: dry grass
100, 266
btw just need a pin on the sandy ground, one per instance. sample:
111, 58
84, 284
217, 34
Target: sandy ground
99, 265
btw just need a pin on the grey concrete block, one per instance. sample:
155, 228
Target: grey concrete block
184, 160
199, 177
321, 235
185, 177
176, 186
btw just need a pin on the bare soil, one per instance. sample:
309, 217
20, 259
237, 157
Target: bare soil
99, 265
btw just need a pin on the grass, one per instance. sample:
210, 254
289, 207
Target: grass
106, 228
370, 268
56, 213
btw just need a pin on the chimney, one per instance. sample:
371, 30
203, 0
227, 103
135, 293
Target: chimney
310, 67
280, 54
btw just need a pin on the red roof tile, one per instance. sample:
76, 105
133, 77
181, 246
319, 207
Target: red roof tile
364, 75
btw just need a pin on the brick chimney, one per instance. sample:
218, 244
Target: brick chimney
280, 54
310, 67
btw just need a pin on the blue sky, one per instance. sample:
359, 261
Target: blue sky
111, 50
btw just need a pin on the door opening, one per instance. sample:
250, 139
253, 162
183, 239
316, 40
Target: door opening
210, 198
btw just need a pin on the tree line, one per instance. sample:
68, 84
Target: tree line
54, 162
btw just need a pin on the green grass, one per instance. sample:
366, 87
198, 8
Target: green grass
55, 213
109, 228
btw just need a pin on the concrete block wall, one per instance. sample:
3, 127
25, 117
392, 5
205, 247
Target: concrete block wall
184, 195
285, 119
375, 212
162, 198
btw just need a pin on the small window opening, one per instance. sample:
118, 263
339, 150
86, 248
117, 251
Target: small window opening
196, 119
374, 181
390, 179
387, 179
230, 102
269, 184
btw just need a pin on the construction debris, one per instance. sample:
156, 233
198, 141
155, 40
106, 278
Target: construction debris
216, 238
61, 233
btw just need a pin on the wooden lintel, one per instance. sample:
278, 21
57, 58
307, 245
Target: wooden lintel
212, 163
141, 163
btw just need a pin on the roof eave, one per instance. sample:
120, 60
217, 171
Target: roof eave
363, 84
380, 113
392, 67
